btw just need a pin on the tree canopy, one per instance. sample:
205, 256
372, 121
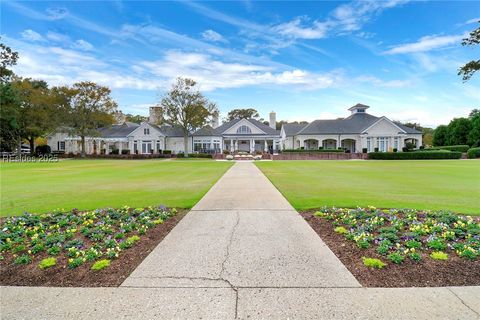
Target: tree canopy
186, 107
90, 107
459, 131
473, 66
248, 113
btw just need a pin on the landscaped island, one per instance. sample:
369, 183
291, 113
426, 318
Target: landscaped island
402, 248
91, 248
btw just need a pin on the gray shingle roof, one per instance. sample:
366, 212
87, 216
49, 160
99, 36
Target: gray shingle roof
292, 129
170, 131
207, 131
118, 130
355, 123
408, 129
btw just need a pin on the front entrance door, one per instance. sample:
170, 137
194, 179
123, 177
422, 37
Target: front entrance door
146, 147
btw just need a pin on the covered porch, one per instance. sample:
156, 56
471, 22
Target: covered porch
251, 145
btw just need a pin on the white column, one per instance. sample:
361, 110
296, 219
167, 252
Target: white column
232, 147
107, 147
252, 145
266, 146
120, 147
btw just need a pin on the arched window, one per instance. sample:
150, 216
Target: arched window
244, 130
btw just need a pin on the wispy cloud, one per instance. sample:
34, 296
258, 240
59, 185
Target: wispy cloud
214, 36
474, 20
426, 43
31, 35
296, 29
82, 45
213, 74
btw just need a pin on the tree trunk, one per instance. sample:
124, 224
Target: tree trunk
83, 146
185, 143
31, 141
19, 148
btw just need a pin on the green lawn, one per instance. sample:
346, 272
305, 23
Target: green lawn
427, 184
90, 184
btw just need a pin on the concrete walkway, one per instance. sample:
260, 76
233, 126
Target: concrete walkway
242, 252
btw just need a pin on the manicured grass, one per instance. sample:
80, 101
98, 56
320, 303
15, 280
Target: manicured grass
91, 184
426, 184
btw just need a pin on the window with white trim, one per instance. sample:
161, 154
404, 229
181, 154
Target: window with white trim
382, 143
244, 130
146, 131
369, 144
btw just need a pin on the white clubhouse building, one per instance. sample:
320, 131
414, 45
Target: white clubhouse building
358, 131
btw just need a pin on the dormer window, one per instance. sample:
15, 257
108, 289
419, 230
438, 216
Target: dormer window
244, 130
146, 131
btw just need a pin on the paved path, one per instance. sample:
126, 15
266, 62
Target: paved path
242, 252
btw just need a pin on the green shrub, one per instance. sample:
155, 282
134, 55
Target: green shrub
53, 251
42, 150
47, 263
363, 244
437, 244
396, 257
415, 256
473, 153
413, 244
167, 151
340, 230
101, 264
417, 155
459, 148
313, 150
439, 255
23, 259
373, 263
75, 262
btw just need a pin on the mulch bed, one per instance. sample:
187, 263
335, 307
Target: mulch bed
456, 271
82, 276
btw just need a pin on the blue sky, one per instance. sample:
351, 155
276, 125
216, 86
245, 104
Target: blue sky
304, 60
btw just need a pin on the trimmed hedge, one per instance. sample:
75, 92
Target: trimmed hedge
195, 155
458, 148
313, 150
43, 150
473, 153
421, 155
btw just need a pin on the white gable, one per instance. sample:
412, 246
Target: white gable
244, 122
384, 127
141, 134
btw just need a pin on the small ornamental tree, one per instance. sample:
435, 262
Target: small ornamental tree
90, 107
186, 107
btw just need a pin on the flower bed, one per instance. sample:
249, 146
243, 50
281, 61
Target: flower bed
80, 248
414, 248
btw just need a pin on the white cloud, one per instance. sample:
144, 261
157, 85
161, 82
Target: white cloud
57, 37
214, 74
82, 45
474, 20
426, 43
31, 35
296, 29
343, 19
384, 83
56, 13
214, 36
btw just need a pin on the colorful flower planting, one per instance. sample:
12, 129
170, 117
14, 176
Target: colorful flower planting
403, 234
76, 238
